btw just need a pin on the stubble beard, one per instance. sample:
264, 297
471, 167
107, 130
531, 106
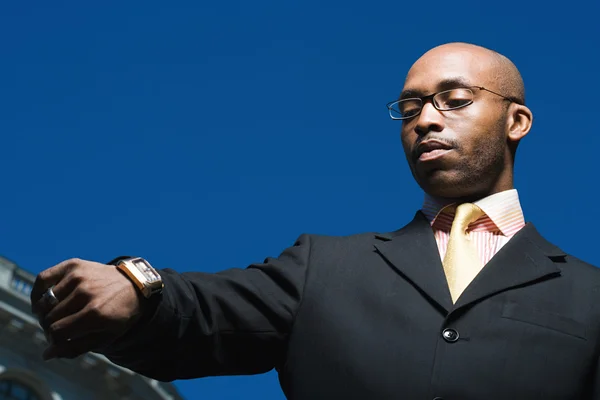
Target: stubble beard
472, 178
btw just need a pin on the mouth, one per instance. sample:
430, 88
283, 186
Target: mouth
430, 150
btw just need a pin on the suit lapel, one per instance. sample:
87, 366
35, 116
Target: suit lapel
525, 259
413, 252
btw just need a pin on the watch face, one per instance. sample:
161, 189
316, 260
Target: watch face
149, 273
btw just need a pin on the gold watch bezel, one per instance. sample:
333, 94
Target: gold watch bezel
142, 274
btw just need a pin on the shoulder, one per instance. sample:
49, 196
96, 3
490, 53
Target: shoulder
322, 246
569, 265
320, 242
359, 242
582, 269
418, 224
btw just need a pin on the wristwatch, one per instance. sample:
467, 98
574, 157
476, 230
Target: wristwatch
141, 273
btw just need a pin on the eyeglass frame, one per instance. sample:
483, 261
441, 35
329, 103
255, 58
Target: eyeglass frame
429, 97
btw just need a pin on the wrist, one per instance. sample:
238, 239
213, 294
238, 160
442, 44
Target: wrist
141, 312
144, 277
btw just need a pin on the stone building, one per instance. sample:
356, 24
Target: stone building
25, 376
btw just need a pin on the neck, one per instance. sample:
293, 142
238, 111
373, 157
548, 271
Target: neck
472, 197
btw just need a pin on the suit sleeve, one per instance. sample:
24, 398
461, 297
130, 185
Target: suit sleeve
232, 322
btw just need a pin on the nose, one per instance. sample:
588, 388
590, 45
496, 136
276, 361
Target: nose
430, 119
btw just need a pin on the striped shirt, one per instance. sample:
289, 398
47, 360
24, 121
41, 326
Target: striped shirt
502, 220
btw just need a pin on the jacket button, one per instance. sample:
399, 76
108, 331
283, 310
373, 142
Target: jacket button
450, 335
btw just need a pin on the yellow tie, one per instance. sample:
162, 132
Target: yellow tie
462, 262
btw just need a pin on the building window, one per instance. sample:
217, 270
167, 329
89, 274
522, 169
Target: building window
13, 390
21, 284
20, 384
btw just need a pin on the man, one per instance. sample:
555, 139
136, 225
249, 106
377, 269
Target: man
465, 302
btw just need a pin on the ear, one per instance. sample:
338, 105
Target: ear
518, 122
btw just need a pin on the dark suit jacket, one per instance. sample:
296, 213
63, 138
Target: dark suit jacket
369, 316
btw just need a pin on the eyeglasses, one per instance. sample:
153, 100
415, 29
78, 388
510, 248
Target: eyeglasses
446, 100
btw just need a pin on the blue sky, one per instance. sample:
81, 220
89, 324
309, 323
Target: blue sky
208, 135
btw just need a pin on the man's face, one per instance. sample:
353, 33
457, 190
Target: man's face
460, 153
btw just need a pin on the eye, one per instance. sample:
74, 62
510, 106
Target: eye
455, 98
409, 107
455, 103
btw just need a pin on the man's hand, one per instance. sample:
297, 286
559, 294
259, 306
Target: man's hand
96, 305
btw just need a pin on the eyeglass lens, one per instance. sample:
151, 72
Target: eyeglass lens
443, 101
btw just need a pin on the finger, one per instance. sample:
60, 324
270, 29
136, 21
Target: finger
74, 302
42, 306
48, 278
75, 347
67, 285
74, 326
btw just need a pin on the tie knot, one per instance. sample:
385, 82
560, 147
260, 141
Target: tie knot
466, 213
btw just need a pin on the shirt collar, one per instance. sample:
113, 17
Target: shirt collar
503, 208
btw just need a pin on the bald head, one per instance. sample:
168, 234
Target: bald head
467, 150
495, 69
